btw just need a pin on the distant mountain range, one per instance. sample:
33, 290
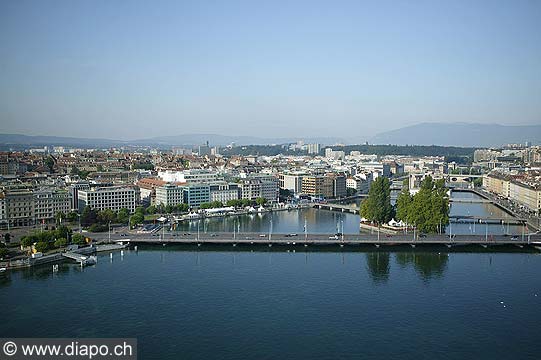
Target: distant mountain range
444, 134
460, 134
18, 141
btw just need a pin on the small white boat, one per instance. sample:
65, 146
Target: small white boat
3, 269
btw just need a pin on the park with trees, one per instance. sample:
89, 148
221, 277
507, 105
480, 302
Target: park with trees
427, 210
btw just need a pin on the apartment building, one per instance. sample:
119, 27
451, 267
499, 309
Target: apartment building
291, 182
516, 188
49, 202
169, 194
19, 207
318, 185
223, 192
111, 197
192, 176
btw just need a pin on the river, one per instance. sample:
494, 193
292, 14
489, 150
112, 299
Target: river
261, 303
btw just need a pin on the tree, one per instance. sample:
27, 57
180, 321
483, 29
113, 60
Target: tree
62, 242
106, 216
3, 252
122, 216
78, 239
183, 207
169, 208
49, 162
261, 201
377, 207
72, 216
246, 202
98, 228
151, 209
429, 208
137, 218
403, 203
41, 246
27, 241
7, 237
59, 216
89, 216
204, 206
61, 231
234, 203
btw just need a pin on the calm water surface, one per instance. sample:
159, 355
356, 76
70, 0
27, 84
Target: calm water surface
327, 222
220, 304
213, 303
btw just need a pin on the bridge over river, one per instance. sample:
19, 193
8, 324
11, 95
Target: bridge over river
412, 239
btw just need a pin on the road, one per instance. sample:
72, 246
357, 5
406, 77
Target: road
323, 239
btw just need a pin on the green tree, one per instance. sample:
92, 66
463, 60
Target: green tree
403, 203
62, 242
169, 208
78, 239
61, 231
72, 216
7, 237
137, 218
246, 202
59, 217
429, 209
41, 246
3, 252
98, 228
89, 216
27, 240
123, 216
234, 203
182, 207
106, 215
261, 201
49, 162
377, 207
151, 210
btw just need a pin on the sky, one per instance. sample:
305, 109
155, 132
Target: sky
139, 69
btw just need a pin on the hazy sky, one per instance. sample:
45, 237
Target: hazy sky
130, 69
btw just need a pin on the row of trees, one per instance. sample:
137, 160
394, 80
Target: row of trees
428, 210
99, 220
52, 239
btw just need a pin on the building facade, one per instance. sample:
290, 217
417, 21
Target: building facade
111, 197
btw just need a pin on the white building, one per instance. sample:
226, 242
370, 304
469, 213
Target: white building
291, 182
112, 197
336, 155
192, 176
169, 194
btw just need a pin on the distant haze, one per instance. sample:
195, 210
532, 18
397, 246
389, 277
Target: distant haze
272, 69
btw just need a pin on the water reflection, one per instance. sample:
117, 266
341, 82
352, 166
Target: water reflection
378, 266
427, 264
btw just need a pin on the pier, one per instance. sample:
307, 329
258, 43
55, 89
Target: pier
83, 260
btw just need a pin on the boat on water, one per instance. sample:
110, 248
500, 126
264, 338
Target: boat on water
3, 269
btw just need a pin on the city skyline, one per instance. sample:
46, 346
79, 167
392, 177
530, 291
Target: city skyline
276, 69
